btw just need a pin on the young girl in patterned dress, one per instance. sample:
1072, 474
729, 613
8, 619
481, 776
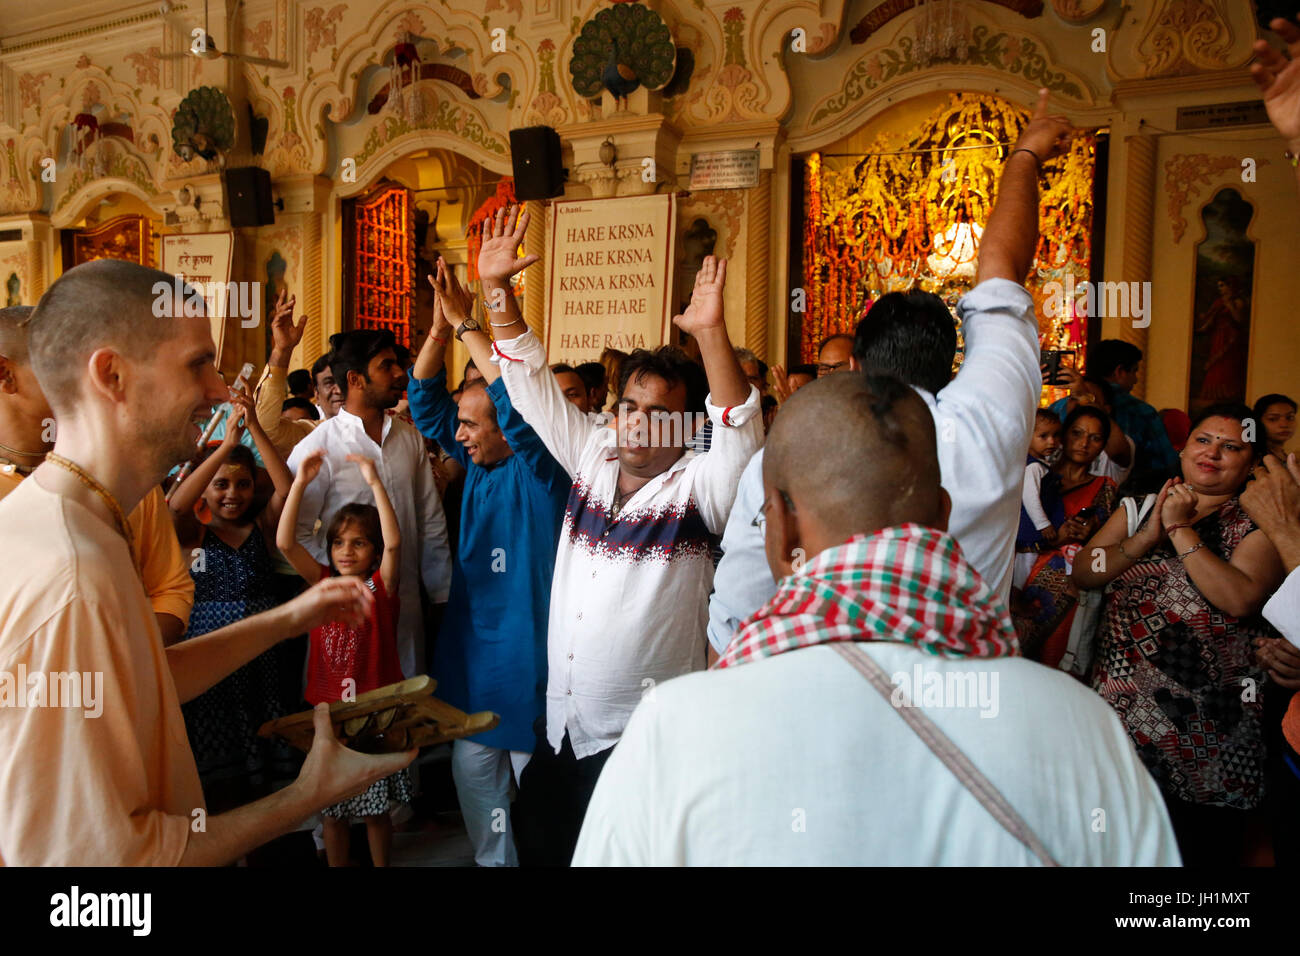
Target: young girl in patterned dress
230, 541
363, 540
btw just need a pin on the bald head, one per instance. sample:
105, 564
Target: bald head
102, 304
875, 463
835, 355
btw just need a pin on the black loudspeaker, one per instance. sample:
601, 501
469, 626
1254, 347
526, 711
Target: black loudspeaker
248, 196
535, 155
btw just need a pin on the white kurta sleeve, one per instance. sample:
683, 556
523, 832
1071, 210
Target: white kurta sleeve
737, 434
1283, 608
537, 396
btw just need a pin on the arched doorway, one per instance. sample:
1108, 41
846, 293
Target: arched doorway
116, 226
418, 207
902, 202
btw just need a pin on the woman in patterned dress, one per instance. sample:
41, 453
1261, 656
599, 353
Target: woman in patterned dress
217, 520
1179, 634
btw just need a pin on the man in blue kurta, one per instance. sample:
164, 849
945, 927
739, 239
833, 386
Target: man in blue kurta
491, 651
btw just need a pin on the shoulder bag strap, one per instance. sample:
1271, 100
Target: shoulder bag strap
980, 787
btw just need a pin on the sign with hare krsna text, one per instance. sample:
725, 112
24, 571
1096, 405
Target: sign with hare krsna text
611, 275
203, 260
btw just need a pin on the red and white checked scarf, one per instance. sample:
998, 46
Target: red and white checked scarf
908, 584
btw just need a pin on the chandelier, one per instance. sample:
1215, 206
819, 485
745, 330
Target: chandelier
942, 32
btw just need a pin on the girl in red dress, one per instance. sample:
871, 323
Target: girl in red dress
343, 662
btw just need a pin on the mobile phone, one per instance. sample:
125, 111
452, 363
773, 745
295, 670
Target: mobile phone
1051, 360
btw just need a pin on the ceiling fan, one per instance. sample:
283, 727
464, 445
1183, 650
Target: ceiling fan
203, 47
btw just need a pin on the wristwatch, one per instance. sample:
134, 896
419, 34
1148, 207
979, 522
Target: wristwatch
469, 325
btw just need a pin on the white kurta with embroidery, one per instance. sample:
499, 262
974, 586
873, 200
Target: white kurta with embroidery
629, 600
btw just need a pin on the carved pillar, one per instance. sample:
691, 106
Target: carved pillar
535, 275
36, 250
757, 259
1139, 209
306, 204
314, 339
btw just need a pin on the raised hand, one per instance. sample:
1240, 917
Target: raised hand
1046, 136
503, 234
1074, 382
705, 308
780, 384
236, 420
439, 328
285, 334
310, 467
1278, 77
449, 297
242, 401
1273, 499
367, 466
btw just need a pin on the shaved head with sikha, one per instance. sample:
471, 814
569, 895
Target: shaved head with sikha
848, 454
106, 303
127, 367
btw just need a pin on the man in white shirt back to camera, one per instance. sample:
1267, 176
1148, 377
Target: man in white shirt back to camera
984, 416
365, 366
1273, 499
629, 599
785, 755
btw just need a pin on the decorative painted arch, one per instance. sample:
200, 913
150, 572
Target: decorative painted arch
1006, 63
75, 205
769, 39
372, 168
334, 89
134, 169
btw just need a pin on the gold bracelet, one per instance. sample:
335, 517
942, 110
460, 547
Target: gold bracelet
1192, 550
